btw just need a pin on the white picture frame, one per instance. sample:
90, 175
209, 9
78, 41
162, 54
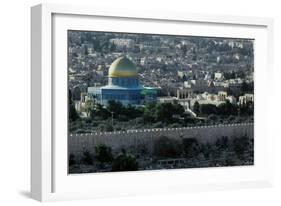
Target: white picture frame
49, 180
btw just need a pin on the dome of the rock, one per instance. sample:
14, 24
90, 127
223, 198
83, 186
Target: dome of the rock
122, 67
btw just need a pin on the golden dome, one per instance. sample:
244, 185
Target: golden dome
122, 67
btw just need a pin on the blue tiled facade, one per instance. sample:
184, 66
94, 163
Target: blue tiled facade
125, 89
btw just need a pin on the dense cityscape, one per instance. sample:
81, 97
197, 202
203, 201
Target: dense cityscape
204, 75
125, 82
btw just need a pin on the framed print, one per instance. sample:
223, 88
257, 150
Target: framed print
135, 102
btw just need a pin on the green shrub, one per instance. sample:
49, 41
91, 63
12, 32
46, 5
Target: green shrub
105, 128
190, 147
71, 159
87, 158
240, 145
125, 162
165, 147
103, 153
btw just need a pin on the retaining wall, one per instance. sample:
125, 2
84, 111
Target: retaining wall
135, 140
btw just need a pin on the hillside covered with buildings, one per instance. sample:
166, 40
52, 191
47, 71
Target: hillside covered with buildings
120, 82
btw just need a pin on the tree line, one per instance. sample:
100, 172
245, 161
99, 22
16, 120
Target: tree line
224, 109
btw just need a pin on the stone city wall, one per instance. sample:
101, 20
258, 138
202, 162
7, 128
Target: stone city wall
136, 139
